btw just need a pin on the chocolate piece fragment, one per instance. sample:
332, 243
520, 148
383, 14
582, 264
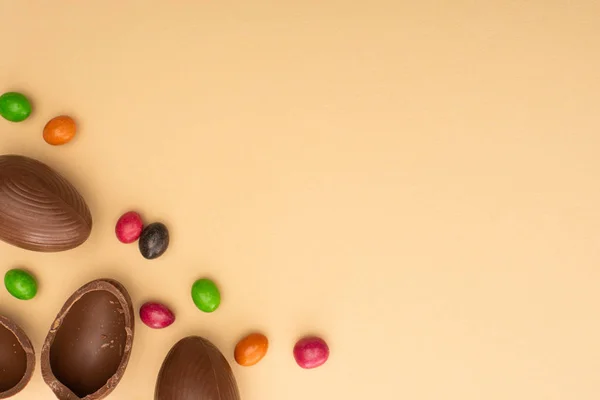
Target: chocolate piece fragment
39, 209
88, 346
17, 358
195, 369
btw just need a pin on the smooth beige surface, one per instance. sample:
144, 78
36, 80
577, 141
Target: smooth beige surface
418, 182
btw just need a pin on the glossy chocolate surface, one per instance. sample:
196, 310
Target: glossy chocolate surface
17, 358
195, 369
39, 209
88, 347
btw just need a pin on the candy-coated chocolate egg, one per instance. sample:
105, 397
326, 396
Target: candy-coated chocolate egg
156, 315
206, 295
20, 284
154, 240
311, 352
129, 227
60, 130
14, 107
251, 349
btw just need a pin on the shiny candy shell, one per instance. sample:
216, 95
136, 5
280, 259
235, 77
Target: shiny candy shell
59, 130
206, 295
129, 227
156, 315
311, 352
154, 240
20, 284
251, 349
14, 107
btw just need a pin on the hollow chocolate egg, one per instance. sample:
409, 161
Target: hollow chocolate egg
195, 369
39, 209
17, 358
87, 349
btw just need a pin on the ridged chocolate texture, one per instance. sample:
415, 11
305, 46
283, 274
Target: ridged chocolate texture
87, 349
39, 209
17, 358
195, 369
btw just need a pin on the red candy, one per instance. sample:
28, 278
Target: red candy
129, 227
156, 315
311, 352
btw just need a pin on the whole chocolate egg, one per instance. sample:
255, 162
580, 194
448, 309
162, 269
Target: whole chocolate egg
87, 349
39, 209
195, 369
17, 358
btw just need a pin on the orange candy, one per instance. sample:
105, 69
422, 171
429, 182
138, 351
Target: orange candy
59, 130
251, 349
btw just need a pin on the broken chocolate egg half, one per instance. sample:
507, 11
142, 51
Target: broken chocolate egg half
17, 358
88, 346
195, 369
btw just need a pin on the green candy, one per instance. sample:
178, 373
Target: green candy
20, 284
206, 295
14, 107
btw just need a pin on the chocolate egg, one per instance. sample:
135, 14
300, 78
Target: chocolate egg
39, 209
17, 358
88, 346
195, 369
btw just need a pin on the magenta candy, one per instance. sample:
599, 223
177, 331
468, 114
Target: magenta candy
129, 227
156, 315
311, 352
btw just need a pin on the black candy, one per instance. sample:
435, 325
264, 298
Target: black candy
154, 240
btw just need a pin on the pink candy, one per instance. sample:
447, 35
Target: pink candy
156, 315
311, 352
129, 227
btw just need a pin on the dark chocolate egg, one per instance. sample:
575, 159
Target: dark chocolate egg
39, 209
154, 240
88, 346
17, 358
195, 369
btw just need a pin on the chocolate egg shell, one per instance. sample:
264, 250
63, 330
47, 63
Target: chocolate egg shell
39, 209
195, 369
88, 346
17, 358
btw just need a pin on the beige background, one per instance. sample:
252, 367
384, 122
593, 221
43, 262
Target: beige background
417, 181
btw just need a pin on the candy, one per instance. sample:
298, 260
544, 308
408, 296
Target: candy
14, 107
129, 227
87, 348
154, 240
251, 349
59, 130
17, 360
311, 352
206, 295
156, 315
195, 369
20, 284
40, 210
